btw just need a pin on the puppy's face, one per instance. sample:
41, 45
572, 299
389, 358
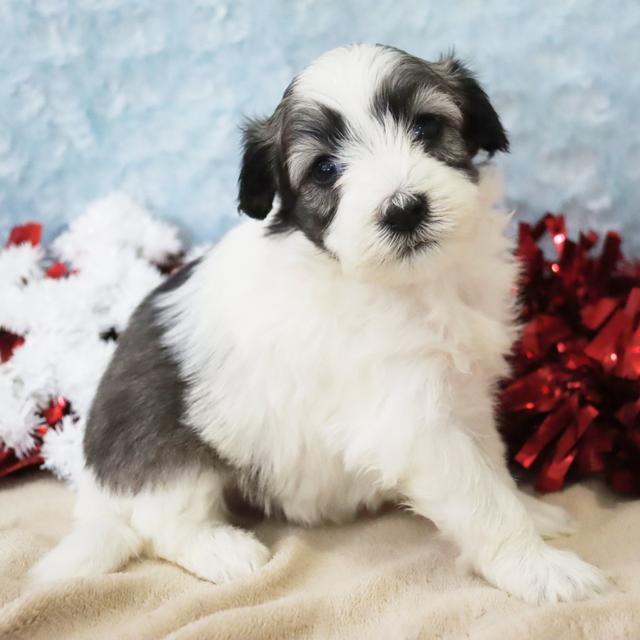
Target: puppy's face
370, 152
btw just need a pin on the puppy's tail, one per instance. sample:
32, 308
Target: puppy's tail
93, 548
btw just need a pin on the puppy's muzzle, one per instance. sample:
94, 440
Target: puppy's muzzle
406, 215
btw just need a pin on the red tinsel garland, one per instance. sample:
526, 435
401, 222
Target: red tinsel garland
572, 407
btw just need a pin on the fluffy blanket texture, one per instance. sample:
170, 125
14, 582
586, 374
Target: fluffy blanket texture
389, 576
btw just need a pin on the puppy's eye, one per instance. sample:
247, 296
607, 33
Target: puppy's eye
324, 170
426, 127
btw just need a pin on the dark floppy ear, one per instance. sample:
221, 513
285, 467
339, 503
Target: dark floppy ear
482, 128
257, 182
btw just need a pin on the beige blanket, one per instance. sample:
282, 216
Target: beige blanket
390, 576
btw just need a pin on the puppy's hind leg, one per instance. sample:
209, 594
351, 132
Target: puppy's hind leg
184, 523
101, 541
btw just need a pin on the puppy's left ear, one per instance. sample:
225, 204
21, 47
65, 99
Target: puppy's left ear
257, 182
482, 128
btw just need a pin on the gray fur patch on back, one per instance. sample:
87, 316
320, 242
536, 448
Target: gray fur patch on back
135, 435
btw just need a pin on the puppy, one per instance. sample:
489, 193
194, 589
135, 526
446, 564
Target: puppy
339, 351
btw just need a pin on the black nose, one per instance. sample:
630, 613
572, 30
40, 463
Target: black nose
405, 218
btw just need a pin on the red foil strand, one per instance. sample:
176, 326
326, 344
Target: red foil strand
9, 342
30, 233
57, 270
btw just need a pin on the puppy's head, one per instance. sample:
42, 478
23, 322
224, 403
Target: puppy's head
370, 152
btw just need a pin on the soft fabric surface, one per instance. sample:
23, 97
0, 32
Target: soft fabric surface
389, 576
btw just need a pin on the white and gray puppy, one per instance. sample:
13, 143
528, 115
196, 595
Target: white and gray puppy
339, 351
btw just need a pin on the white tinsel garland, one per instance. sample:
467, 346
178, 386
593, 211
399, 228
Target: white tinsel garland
112, 251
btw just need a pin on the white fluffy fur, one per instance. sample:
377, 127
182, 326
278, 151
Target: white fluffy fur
346, 382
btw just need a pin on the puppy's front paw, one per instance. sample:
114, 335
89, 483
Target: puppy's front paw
222, 554
546, 575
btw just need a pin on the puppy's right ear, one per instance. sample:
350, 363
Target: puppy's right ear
257, 183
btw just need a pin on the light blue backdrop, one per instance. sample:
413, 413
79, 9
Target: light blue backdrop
146, 96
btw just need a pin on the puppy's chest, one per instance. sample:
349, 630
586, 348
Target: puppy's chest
337, 403
324, 391
316, 486
346, 332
